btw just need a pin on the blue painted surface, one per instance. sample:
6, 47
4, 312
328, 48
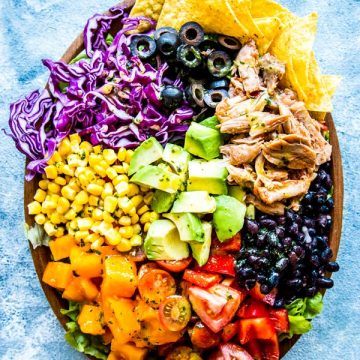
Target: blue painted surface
34, 29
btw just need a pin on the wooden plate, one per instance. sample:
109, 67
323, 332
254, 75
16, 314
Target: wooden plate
41, 255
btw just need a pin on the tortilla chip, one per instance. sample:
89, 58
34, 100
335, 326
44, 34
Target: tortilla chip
148, 8
214, 16
330, 82
270, 27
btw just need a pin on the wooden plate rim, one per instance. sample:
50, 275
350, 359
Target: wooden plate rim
41, 255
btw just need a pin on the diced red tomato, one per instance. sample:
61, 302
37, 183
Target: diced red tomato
260, 329
233, 244
175, 265
280, 319
271, 350
202, 337
254, 349
229, 331
268, 298
252, 308
203, 305
201, 278
222, 264
230, 351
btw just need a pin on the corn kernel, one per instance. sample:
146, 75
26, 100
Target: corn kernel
125, 204
126, 167
94, 159
70, 215
71, 232
108, 190
77, 207
100, 170
134, 219
144, 188
137, 200
96, 227
84, 223
108, 218
119, 179
129, 155
73, 225
74, 184
110, 204
43, 184
111, 173
97, 149
121, 154
68, 193
137, 229
55, 218
118, 168
81, 198
94, 189
51, 172
88, 210
132, 211
40, 219
100, 182
146, 227
64, 147
104, 164
97, 214
118, 213
75, 138
55, 157
133, 190
67, 170
145, 217
49, 228
126, 231
124, 245
81, 235
60, 181
85, 145
54, 188
122, 188
148, 197
112, 237
74, 160
60, 231
143, 210
97, 243
125, 221
40, 195
49, 205
136, 240
154, 216
63, 205
109, 156
93, 200
92, 237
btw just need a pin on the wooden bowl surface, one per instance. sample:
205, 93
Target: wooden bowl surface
41, 255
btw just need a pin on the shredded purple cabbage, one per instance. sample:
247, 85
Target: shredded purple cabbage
111, 99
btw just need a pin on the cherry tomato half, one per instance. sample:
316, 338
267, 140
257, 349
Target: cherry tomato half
155, 286
183, 353
145, 268
175, 265
175, 312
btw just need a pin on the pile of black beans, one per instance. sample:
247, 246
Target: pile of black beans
290, 252
201, 61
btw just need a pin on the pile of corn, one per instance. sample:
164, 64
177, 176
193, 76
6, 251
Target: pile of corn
86, 193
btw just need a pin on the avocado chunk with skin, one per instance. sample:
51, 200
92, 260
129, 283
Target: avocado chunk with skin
194, 202
237, 192
208, 175
157, 178
147, 153
189, 226
162, 242
228, 218
178, 158
203, 141
162, 201
201, 251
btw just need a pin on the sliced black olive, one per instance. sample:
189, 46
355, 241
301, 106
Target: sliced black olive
167, 43
189, 55
164, 30
214, 97
219, 63
191, 33
197, 93
171, 97
209, 44
143, 46
229, 42
220, 84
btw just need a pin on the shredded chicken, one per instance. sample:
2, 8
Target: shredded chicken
276, 147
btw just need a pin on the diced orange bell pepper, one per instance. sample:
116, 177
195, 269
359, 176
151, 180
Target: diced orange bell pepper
107, 251
80, 289
61, 247
112, 356
90, 320
57, 274
128, 352
120, 277
84, 263
107, 336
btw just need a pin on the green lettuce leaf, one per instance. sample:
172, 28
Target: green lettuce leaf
313, 306
36, 235
84, 343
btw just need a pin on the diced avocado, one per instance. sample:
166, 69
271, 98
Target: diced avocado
211, 122
237, 192
208, 175
203, 141
162, 201
201, 251
157, 178
162, 242
228, 218
250, 211
147, 153
178, 158
189, 226
194, 202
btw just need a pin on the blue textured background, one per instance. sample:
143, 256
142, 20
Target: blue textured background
34, 29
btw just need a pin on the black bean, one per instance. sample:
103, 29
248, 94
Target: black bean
246, 272
308, 222
282, 264
332, 266
326, 254
327, 182
265, 289
293, 258
272, 239
252, 259
281, 220
308, 198
325, 283
290, 216
294, 283
280, 232
279, 303
293, 229
330, 203
251, 226
261, 278
287, 242
263, 263
250, 283
268, 223
315, 261
311, 291
274, 279
312, 232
